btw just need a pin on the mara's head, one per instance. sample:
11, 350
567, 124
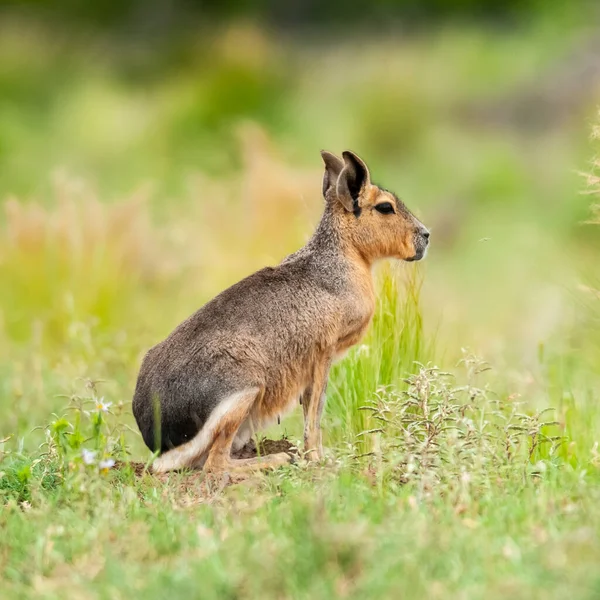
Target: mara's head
375, 221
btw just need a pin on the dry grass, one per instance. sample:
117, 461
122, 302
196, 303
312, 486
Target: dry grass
593, 181
78, 256
75, 258
268, 208
81, 231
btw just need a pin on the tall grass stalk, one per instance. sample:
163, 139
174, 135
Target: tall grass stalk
395, 343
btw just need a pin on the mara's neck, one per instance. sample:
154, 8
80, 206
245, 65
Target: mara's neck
331, 239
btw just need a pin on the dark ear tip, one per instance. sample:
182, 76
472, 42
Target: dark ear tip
332, 161
350, 157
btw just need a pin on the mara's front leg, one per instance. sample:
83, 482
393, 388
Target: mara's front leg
313, 401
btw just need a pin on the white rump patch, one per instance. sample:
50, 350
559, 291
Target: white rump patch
193, 453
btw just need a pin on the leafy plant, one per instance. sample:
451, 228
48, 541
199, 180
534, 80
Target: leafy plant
86, 440
436, 432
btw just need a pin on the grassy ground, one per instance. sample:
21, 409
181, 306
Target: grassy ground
436, 485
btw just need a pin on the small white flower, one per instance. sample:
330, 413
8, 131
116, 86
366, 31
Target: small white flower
363, 349
102, 406
106, 464
88, 456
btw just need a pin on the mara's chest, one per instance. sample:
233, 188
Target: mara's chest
357, 319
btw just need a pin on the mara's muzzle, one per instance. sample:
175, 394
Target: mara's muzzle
420, 242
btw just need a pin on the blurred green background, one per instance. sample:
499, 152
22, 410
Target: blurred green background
153, 152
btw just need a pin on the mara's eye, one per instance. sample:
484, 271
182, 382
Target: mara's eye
385, 208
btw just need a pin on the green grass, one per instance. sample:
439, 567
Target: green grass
395, 343
453, 489
435, 485
349, 529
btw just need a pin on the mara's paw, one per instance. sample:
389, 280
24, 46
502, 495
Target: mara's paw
167, 462
248, 465
280, 459
314, 455
269, 461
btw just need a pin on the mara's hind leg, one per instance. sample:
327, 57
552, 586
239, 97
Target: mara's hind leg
193, 454
243, 436
219, 455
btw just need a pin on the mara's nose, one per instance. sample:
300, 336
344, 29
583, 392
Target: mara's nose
425, 234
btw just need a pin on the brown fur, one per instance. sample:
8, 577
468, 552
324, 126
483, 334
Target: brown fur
246, 357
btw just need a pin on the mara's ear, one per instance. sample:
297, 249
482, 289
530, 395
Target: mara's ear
333, 168
353, 178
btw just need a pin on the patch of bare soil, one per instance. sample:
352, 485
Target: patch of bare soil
196, 481
265, 447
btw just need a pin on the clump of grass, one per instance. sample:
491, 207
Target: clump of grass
395, 343
436, 432
85, 440
90, 423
